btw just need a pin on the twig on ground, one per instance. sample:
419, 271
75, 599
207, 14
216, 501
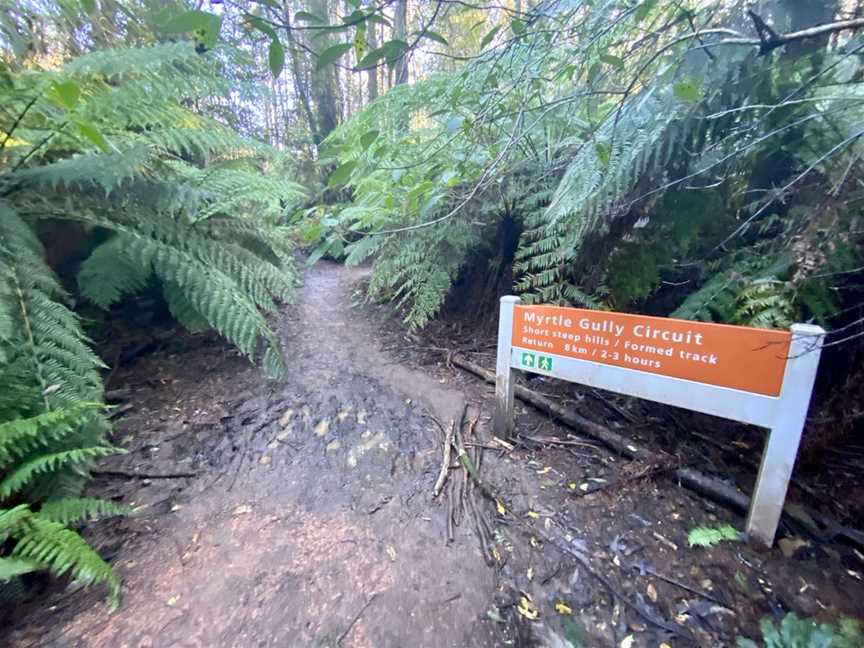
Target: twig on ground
445, 460
137, 475
356, 619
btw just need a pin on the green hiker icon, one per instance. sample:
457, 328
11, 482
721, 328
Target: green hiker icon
545, 363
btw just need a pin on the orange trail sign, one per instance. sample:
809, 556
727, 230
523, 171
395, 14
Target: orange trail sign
757, 376
737, 357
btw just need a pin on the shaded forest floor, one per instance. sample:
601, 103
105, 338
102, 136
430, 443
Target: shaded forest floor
300, 512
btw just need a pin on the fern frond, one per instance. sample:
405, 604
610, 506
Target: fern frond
62, 551
13, 567
72, 511
109, 171
21, 436
48, 334
26, 473
108, 274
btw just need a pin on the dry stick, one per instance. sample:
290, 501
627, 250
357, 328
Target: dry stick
450, 509
689, 478
445, 460
355, 619
673, 581
135, 475
582, 560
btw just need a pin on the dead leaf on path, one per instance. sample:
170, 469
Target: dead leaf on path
627, 642
563, 608
171, 602
543, 471
651, 591
790, 546
527, 608
500, 506
285, 419
243, 509
391, 551
343, 413
530, 573
265, 460
533, 514
323, 427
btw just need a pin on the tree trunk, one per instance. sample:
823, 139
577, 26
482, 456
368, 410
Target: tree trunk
300, 85
372, 78
400, 28
324, 81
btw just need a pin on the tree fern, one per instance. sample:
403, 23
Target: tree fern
169, 193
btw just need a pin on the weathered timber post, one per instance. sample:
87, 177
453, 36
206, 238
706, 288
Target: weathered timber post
784, 437
503, 419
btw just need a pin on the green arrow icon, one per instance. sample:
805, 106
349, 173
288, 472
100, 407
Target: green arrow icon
528, 360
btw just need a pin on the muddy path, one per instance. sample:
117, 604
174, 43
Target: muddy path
310, 509
300, 512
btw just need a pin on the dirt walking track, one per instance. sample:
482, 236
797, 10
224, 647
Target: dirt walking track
305, 517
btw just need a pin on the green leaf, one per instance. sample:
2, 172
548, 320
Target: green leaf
394, 50
332, 53
12, 567
89, 6
65, 94
371, 59
341, 174
205, 25
603, 152
517, 26
307, 16
276, 57
612, 60
189, 21
92, 133
687, 91
369, 138
708, 537
434, 36
489, 36
360, 41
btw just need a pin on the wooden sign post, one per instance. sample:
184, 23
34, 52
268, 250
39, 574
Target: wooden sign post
757, 376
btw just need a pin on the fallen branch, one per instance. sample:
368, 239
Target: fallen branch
136, 475
711, 487
355, 619
445, 460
